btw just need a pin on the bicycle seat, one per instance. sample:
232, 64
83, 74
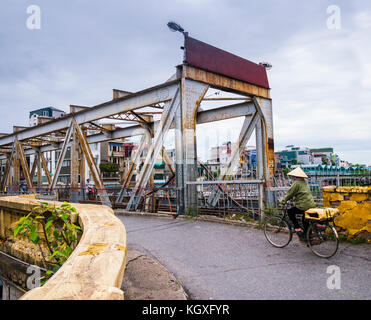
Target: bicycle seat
321, 213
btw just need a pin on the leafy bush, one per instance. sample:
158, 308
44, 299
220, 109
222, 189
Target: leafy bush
58, 231
109, 167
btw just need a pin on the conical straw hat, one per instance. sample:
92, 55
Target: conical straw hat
298, 172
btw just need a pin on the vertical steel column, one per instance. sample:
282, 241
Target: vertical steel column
4, 176
192, 94
16, 173
33, 169
39, 173
82, 175
7, 175
265, 106
74, 191
261, 164
179, 161
45, 167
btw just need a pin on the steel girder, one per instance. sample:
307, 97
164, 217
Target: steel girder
91, 163
193, 85
162, 129
152, 96
254, 122
203, 116
192, 95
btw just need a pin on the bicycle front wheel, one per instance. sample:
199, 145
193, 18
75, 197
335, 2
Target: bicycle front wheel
277, 231
323, 240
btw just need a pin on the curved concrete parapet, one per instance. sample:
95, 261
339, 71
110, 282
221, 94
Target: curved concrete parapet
95, 269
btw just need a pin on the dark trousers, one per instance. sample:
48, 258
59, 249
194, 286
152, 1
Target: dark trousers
292, 212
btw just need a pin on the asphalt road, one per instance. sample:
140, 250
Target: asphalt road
220, 261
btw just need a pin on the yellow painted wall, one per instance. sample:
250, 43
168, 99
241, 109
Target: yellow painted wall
354, 204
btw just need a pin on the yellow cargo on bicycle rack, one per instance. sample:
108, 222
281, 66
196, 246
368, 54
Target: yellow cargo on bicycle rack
321, 213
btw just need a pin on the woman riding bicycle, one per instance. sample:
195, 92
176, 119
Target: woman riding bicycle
300, 192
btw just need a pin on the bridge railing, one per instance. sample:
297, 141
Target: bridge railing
223, 197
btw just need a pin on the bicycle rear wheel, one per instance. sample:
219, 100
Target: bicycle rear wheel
323, 239
277, 231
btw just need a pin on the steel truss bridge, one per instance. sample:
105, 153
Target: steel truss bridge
177, 100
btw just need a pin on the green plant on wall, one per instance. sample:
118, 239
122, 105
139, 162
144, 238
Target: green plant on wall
109, 167
192, 211
54, 226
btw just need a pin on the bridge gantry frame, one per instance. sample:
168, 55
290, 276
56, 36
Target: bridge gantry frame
178, 100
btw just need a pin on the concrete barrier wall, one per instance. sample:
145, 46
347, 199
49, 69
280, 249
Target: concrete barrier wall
354, 204
94, 270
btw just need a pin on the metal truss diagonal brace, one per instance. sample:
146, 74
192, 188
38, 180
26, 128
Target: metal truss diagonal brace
45, 168
246, 132
135, 158
26, 170
7, 168
167, 118
92, 165
61, 157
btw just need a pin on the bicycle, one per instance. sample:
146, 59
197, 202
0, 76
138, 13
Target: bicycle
321, 235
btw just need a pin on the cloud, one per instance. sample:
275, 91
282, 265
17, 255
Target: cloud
321, 90
320, 78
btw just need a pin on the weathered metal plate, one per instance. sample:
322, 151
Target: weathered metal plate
207, 57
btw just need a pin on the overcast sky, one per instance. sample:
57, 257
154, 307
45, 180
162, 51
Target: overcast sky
320, 80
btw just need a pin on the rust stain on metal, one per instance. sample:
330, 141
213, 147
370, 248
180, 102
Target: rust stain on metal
205, 56
223, 82
270, 144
